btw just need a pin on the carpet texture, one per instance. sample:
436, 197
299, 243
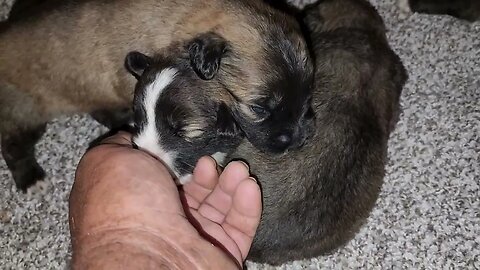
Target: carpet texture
427, 215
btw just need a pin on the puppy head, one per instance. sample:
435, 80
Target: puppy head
266, 82
272, 89
177, 115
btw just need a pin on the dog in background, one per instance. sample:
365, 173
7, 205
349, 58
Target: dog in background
463, 9
468, 10
76, 66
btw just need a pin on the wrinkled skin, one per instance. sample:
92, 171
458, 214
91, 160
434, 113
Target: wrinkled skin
125, 210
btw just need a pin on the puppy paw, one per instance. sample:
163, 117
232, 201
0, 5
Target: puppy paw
182, 180
219, 158
404, 8
37, 190
28, 177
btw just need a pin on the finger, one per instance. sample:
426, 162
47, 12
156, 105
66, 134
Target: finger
243, 218
205, 178
219, 202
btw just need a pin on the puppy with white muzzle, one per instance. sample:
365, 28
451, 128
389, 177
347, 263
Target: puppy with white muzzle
178, 115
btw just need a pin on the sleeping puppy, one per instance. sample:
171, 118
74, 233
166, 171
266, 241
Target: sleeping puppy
316, 198
178, 116
76, 66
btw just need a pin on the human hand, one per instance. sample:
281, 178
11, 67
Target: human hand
125, 210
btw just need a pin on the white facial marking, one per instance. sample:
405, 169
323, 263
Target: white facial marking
219, 157
148, 138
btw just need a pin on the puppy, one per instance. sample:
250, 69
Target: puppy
317, 197
179, 117
75, 66
463, 9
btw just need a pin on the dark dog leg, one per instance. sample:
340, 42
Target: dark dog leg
113, 119
463, 9
18, 149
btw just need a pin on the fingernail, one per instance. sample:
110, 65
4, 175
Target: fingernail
253, 179
244, 164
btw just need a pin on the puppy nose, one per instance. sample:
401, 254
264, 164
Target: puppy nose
283, 140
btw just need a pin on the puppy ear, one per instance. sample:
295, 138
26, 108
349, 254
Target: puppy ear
226, 125
206, 52
136, 63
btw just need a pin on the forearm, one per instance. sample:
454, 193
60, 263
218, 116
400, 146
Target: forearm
142, 250
125, 250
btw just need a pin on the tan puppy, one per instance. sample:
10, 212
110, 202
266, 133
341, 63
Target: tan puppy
178, 116
317, 197
69, 59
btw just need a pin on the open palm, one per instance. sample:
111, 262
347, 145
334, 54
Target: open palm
226, 208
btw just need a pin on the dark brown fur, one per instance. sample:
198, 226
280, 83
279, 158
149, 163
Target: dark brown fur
69, 59
463, 9
316, 198
190, 116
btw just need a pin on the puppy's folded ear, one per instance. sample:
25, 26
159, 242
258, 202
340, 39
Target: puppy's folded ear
226, 125
206, 52
136, 63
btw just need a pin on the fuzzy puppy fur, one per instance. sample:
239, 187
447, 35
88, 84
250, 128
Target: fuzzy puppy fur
178, 116
317, 197
68, 59
463, 9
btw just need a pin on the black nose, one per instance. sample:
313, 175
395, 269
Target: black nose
283, 140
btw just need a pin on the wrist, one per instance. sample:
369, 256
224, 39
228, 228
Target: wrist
139, 249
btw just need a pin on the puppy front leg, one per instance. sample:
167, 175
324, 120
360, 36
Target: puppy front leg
18, 149
114, 118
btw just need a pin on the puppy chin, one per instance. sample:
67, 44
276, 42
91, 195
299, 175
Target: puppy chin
149, 145
183, 179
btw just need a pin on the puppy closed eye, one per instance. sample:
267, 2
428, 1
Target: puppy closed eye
260, 111
192, 131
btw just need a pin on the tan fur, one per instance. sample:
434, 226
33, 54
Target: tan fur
71, 59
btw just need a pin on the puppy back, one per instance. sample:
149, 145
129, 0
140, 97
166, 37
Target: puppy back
318, 196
